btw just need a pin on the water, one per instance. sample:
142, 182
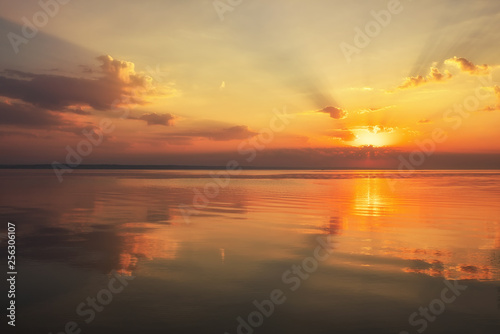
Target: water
388, 246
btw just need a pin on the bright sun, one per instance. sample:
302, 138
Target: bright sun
373, 139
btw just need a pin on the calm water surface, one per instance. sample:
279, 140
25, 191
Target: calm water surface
200, 262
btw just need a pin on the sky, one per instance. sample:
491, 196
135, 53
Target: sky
287, 83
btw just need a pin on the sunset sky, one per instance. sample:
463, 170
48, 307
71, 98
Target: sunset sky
204, 80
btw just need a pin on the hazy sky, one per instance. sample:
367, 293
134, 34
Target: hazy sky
202, 81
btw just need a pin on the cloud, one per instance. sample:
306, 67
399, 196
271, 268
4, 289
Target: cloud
344, 135
424, 121
7, 133
29, 116
374, 129
467, 66
116, 81
231, 133
38, 100
37, 121
343, 157
336, 113
186, 137
370, 110
434, 76
380, 129
86, 69
496, 90
156, 119
123, 72
20, 74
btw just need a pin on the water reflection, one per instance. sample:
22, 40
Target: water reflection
373, 197
430, 226
115, 223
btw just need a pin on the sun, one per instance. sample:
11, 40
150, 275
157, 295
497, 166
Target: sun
365, 138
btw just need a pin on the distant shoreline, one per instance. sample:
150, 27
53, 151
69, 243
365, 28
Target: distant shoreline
182, 167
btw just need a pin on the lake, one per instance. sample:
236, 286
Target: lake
254, 252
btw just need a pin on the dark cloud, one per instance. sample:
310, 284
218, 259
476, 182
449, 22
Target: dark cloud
37, 100
157, 119
17, 134
225, 134
58, 92
19, 74
79, 110
117, 81
186, 137
336, 113
86, 69
26, 115
347, 157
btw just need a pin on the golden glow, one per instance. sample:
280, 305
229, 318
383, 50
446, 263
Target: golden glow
372, 198
373, 139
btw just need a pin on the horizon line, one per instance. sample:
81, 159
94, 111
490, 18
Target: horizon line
202, 167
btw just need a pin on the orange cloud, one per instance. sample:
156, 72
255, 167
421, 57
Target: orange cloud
424, 121
344, 135
371, 110
434, 76
467, 66
335, 113
496, 90
121, 70
380, 129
